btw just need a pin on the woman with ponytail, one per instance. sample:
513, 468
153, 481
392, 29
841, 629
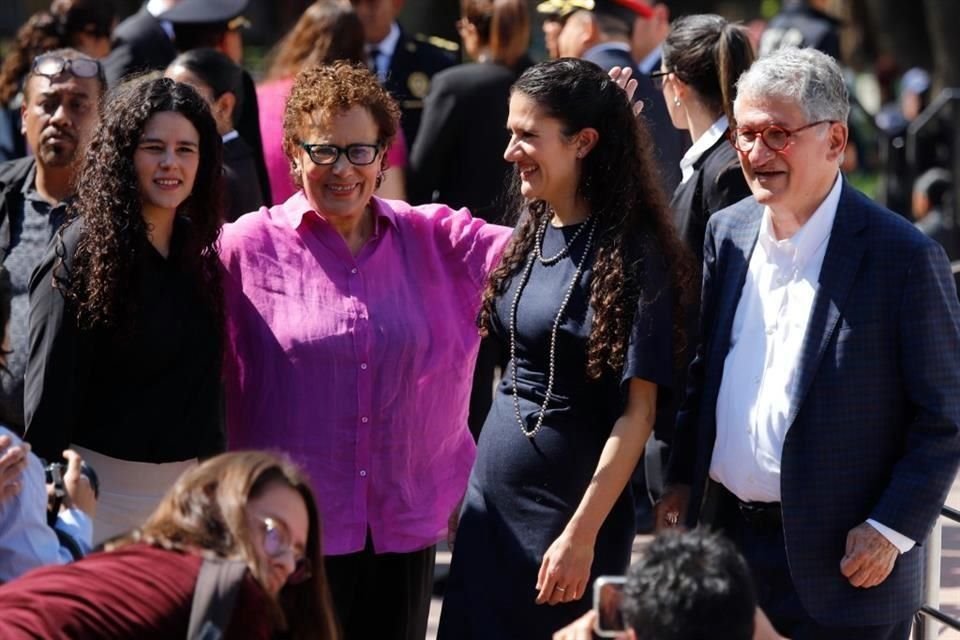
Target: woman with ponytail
703, 56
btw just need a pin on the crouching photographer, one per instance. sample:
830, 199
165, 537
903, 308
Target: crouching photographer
690, 585
31, 534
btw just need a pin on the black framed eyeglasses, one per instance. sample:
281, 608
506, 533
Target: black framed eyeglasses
51, 66
657, 78
357, 154
774, 136
277, 542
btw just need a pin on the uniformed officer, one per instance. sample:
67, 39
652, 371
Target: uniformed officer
554, 14
404, 64
803, 23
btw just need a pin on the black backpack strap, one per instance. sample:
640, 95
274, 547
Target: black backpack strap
214, 597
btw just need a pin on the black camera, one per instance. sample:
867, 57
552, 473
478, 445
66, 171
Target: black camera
54, 475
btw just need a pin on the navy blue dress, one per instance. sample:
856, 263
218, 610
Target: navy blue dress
522, 491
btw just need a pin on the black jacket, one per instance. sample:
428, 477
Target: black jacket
412, 67
13, 175
458, 156
241, 183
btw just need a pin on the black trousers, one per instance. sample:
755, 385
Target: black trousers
382, 595
763, 548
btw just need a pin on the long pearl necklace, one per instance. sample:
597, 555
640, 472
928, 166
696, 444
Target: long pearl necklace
537, 253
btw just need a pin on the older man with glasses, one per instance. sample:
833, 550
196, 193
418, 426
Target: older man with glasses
821, 430
62, 95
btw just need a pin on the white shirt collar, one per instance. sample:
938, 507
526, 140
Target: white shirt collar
706, 140
388, 45
230, 135
814, 232
646, 65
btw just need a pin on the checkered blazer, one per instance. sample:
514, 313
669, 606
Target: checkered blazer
875, 430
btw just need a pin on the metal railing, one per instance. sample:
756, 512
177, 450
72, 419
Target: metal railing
928, 623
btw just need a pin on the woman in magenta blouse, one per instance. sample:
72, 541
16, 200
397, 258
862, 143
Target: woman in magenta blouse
351, 338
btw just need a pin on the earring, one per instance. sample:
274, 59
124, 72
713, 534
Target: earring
676, 101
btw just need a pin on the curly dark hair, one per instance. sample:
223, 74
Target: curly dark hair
109, 201
620, 183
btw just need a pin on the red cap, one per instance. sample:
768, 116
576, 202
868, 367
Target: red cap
642, 9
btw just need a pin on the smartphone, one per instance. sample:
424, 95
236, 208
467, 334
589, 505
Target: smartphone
607, 600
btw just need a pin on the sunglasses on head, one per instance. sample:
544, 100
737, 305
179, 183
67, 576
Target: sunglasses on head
50, 66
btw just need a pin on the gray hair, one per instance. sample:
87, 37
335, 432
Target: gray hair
809, 78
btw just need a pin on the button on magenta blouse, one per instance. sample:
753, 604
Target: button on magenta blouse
359, 366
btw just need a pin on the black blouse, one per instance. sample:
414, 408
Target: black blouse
147, 392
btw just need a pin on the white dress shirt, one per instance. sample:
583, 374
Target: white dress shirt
26, 540
761, 369
706, 140
385, 49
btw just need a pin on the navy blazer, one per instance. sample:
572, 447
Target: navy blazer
875, 429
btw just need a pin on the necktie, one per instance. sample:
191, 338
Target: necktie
374, 55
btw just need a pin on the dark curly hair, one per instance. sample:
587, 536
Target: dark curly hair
619, 182
108, 199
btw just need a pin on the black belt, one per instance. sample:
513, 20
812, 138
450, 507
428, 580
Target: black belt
759, 515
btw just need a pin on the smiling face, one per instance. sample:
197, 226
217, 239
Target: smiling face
797, 178
284, 506
546, 159
341, 189
59, 117
166, 161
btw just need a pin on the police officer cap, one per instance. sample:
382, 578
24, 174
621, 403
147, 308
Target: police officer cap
204, 11
625, 9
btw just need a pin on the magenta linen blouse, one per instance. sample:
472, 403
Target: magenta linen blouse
359, 367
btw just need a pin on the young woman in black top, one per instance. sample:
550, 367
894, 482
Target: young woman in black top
125, 309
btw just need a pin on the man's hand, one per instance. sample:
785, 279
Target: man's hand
870, 557
79, 492
671, 509
13, 461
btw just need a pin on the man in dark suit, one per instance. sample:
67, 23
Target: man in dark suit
404, 64
822, 418
142, 42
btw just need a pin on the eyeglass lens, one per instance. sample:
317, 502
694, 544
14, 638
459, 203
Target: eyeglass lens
53, 66
773, 136
276, 542
358, 154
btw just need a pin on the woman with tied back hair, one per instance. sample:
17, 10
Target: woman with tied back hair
587, 300
351, 335
125, 308
84, 25
250, 510
328, 30
703, 56
220, 81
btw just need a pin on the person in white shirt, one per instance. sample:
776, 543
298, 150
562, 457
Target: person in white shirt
821, 428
